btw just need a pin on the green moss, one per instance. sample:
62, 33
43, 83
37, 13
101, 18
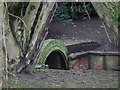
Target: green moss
117, 18
11, 83
43, 70
49, 46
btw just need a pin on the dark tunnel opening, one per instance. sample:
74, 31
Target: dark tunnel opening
56, 60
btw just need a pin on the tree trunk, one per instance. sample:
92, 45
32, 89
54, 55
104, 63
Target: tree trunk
1, 52
26, 27
108, 12
40, 32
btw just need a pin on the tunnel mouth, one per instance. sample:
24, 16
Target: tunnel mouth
56, 60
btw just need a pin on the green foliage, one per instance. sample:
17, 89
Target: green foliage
87, 7
72, 10
62, 12
118, 18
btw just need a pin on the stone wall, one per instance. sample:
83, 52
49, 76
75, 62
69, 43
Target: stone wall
94, 62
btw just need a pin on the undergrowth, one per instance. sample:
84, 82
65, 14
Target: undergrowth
73, 10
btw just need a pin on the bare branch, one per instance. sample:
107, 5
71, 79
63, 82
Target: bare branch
19, 18
4, 43
106, 32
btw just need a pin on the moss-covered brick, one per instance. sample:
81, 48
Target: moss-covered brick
49, 46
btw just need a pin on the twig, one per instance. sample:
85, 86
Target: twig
86, 10
19, 18
16, 16
106, 32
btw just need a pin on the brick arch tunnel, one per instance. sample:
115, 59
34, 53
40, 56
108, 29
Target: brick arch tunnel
56, 60
54, 54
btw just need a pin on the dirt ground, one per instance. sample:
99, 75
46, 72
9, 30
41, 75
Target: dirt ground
83, 30
64, 79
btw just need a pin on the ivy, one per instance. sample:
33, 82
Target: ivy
73, 10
